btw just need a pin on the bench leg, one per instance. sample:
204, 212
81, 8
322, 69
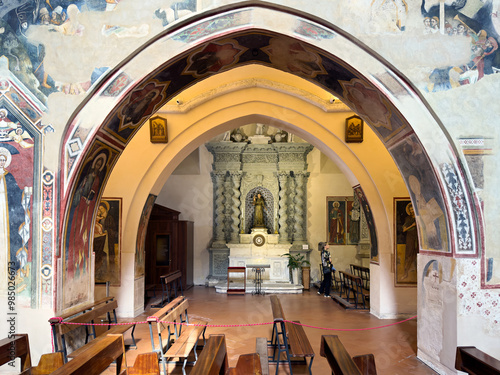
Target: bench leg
134, 344
310, 365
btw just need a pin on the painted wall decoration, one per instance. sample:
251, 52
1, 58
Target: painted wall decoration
405, 243
473, 20
365, 206
140, 253
80, 223
48, 238
17, 159
107, 234
342, 220
425, 192
214, 57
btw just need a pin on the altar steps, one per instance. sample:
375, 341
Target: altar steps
268, 287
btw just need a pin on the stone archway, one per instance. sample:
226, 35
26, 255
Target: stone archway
409, 130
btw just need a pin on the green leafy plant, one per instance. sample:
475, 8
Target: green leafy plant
296, 261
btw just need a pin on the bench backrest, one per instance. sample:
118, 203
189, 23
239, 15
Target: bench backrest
213, 358
98, 356
278, 314
87, 317
16, 347
174, 312
355, 282
171, 276
338, 358
474, 361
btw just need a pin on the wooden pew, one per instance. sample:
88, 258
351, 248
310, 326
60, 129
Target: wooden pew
363, 272
213, 357
170, 283
97, 357
99, 354
476, 362
354, 295
18, 347
248, 364
261, 349
185, 337
341, 362
213, 360
106, 308
288, 338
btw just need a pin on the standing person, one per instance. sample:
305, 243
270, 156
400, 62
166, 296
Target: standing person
326, 262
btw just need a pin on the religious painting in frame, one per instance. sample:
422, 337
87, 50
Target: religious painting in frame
354, 129
158, 130
336, 220
405, 243
107, 234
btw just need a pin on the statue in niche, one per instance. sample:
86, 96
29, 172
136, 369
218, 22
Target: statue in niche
260, 206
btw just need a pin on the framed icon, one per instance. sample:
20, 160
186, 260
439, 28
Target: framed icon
158, 130
354, 129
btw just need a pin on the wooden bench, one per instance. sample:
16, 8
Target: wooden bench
213, 360
475, 362
354, 295
261, 349
99, 354
179, 329
288, 338
107, 308
341, 362
18, 347
170, 284
213, 357
363, 272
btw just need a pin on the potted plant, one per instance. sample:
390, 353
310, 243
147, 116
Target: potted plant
295, 262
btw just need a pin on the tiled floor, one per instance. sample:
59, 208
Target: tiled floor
394, 347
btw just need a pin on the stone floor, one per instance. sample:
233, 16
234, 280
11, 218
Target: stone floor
394, 347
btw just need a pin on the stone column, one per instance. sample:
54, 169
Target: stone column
282, 211
218, 182
236, 204
228, 202
291, 209
300, 211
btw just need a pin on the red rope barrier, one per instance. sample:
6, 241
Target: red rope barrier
237, 325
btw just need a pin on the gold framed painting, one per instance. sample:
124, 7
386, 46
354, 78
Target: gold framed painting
354, 129
158, 130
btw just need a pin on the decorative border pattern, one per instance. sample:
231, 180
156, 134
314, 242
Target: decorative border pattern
460, 211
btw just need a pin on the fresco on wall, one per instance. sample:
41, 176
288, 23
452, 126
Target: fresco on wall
79, 223
107, 241
16, 190
425, 192
140, 247
405, 243
370, 222
341, 228
23, 21
477, 22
